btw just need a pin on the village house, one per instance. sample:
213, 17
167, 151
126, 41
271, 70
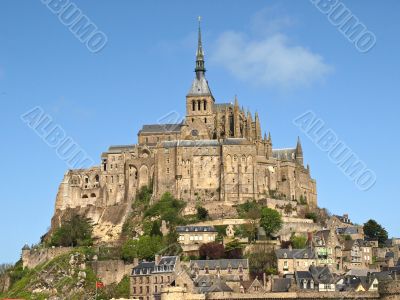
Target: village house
352, 255
192, 237
149, 278
229, 269
292, 260
328, 249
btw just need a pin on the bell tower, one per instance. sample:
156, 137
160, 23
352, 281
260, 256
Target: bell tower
199, 100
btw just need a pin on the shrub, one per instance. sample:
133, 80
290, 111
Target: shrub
202, 213
312, 216
212, 251
77, 231
144, 248
298, 242
168, 209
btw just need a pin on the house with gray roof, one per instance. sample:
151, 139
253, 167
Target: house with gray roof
229, 269
292, 260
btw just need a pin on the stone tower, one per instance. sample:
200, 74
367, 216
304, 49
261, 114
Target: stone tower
199, 100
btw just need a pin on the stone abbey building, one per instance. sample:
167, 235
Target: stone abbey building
217, 156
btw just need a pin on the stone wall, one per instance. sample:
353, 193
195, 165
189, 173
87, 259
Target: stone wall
34, 257
389, 290
296, 295
111, 271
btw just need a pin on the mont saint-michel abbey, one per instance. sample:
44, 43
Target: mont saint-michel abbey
217, 156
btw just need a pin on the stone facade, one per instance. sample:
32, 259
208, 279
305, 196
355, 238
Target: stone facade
149, 278
216, 155
34, 257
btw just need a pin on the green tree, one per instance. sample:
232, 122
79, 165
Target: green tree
298, 242
233, 250
167, 208
271, 220
155, 228
144, 248
171, 244
77, 231
374, 231
261, 261
202, 213
144, 194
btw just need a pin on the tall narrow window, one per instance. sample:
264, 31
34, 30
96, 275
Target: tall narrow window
205, 104
193, 105
198, 105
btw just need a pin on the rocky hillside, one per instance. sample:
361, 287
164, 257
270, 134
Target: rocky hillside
68, 276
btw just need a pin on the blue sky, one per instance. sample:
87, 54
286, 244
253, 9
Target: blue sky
281, 58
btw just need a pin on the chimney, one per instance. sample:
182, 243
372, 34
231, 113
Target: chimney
264, 279
157, 259
135, 262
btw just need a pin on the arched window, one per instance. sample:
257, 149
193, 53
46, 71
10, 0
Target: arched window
205, 104
193, 105
85, 196
205, 120
198, 105
93, 195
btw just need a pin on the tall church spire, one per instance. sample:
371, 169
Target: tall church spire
200, 69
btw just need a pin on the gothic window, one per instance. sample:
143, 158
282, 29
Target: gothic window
205, 105
193, 105
198, 105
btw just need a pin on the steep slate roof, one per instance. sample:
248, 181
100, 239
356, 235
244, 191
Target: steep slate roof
222, 263
166, 264
161, 128
295, 253
190, 143
195, 229
199, 87
322, 275
235, 141
347, 230
281, 284
211, 286
284, 154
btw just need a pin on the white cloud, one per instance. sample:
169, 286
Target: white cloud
269, 60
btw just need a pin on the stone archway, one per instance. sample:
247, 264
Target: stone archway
143, 176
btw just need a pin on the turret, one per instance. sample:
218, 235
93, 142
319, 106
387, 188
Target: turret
299, 152
236, 119
258, 127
